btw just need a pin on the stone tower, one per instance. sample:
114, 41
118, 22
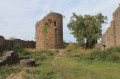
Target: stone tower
49, 32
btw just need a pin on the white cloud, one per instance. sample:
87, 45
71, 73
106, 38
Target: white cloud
18, 17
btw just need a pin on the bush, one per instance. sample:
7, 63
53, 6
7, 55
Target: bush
21, 51
18, 49
110, 54
4, 48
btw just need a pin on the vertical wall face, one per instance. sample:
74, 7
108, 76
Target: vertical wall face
112, 36
23, 44
116, 17
16, 42
54, 35
108, 37
2, 40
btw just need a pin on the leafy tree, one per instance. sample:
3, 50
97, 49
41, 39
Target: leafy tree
87, 29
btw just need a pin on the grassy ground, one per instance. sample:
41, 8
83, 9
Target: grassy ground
43, 70
73, 63
73, 69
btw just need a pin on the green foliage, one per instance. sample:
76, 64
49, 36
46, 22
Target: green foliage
46, 52
4, 48
6, 70
86, 69
21, 51
68, 67
110, 54
18, 49
44, 69
44, 31
87, 29
42, 55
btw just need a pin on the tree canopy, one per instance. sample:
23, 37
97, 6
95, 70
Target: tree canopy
87, 29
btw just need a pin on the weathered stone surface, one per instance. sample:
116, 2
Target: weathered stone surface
16, 42
9, 57
23, 44
112, 36
2, 41
1, 62
54, 37
27, 62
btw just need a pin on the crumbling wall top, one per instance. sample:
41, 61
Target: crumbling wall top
50, 14
116, 11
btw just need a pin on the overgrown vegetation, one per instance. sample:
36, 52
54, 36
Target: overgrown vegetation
110, 54
44, 31
71, 68
87, 29
43, 69
22, 52
7, 70
4, 48
96, 64
82, 64
75, 48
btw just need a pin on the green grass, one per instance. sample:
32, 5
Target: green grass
73, 69
43, 69
110, 54
72, 66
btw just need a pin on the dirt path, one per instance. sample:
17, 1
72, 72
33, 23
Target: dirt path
62, 71
57, 57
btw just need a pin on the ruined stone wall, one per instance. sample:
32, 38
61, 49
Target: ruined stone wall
116, 18
108, 37
2, 41
8, 43
98, 45
54, 36
112, 36
8, 58
16, 42
23, 44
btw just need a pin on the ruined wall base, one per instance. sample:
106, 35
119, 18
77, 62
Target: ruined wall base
16, 42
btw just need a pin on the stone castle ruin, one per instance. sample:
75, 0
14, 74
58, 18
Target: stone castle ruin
112, 36
49, 32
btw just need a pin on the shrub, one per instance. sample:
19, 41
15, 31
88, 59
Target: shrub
110, 54
4, 48
18, 49
21, 51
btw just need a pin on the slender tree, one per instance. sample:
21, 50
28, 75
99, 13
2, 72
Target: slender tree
87, 29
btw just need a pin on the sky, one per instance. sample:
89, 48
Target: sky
18, 17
